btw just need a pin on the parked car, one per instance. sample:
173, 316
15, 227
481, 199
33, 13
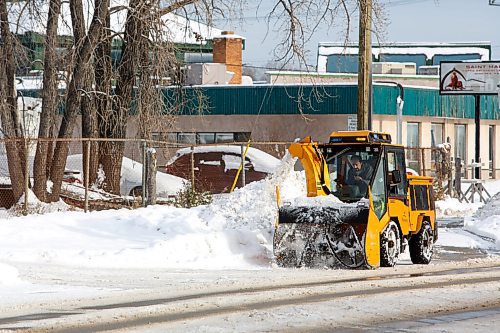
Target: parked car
215, 167
131, 177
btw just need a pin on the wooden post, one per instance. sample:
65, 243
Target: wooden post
151, 176
423, 161
87, 176
243, 180
458, 180
476, 172
450, 174
26, 176
144, 161
192, 170
364, 64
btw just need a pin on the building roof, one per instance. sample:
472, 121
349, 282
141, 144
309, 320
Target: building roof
24, 17
430, 50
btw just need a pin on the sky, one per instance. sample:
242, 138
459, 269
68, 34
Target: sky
409, 21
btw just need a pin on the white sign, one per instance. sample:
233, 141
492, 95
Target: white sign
469, 78
352, 123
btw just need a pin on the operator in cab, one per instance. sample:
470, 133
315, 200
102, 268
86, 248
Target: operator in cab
360, 171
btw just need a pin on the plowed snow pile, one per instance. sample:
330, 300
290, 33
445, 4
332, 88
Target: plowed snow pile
486, 222
235, 231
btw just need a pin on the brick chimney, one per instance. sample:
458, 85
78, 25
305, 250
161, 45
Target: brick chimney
227, 50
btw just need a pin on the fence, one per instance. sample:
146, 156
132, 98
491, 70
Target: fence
88, 185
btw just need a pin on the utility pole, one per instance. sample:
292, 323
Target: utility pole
365, 64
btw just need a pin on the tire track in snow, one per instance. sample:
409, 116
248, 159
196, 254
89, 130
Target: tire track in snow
73, 322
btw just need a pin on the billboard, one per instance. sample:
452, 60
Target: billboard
469, 78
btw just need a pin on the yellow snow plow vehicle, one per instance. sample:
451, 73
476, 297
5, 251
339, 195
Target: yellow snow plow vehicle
362, 209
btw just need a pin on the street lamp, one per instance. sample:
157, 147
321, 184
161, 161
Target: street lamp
400, 101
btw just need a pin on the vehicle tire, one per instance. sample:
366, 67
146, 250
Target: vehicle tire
422, 245
390, 245
136, 191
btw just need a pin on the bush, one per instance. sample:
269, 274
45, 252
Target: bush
187, 198
439, 189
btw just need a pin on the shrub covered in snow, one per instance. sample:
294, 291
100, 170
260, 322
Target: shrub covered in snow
189, 197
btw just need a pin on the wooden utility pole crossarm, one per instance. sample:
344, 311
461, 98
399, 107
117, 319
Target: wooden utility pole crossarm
365, 63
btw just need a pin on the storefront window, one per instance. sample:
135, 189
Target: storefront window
460, 148
413, 143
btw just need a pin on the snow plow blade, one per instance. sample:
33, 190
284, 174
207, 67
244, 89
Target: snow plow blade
321, 236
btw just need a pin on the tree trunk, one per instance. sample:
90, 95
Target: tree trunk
88, 103
135, 30
50, 101
103, 74
8, 107
84, 51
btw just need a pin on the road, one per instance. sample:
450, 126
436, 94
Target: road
458, 292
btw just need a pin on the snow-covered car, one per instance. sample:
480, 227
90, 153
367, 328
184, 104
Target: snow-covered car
215, 167
131, 177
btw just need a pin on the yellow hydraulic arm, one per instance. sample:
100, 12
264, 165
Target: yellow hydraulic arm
317, 177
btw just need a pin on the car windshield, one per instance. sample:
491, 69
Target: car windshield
351, 170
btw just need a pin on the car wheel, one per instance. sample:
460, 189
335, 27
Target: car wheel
136, 191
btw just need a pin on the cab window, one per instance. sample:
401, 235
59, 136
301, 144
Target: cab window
395, 161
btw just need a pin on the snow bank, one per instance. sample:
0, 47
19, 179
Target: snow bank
452, 207
486, 222
8, 275
234, 232
35, 206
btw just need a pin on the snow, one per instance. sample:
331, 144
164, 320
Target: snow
452, 207
177, 29
261, 161
233, 232
486, 221
9, 275
430, 50
131, 176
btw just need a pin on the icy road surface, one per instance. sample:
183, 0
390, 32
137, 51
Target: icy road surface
416, 298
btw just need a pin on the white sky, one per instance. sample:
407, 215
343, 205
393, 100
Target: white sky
410, 21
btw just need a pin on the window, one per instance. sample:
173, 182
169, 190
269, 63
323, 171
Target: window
420, 199
436, 60
342, 63
460, 148
395, 161
224, 137
201, 137
418, 59
413, 143
437, 138
206, 137
186, 138
437, 134
351, 170
379, 190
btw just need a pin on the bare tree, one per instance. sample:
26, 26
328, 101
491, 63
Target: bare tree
49, 105
107, 93
11, 126
83, 53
